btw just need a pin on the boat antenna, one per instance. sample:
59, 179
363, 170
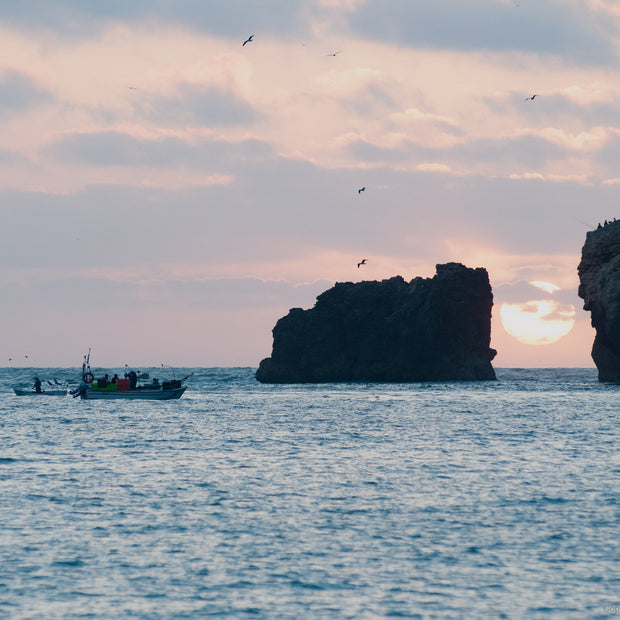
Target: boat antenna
173, 373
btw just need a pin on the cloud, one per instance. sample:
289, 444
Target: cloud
518, 152
113, 148
568, 29
9, 157
105, 293
224, 17
414, 117
607, 157
522, 291
196, 105
549, 287
226, 176
529, 151
233, 293
19, 92
588, 105
283, 210
348, 5
369, 153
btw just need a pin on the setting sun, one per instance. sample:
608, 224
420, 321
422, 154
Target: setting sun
537, 322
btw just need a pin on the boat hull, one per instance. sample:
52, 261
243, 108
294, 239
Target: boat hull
20, 392
139, 394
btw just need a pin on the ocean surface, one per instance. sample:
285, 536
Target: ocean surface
241, 500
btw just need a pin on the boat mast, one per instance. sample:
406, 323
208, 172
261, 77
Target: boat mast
86, 363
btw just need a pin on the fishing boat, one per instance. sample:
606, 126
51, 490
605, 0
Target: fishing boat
31, 392
141, 392
126, 388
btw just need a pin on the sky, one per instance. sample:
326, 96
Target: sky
167, 193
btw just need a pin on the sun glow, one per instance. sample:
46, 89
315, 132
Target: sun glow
537, 322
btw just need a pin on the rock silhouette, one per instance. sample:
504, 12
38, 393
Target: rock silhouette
429, 329
599, 287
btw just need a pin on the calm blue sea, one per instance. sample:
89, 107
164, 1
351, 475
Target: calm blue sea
242, 500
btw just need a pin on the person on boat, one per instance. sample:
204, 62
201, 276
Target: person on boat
114, 379
133, 379
37, 385
103, 382
80, 390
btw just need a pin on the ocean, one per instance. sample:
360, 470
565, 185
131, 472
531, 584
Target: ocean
241, 500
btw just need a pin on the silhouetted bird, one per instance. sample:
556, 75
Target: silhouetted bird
248, 40
334, 53
362, 189
362, 262
531, 98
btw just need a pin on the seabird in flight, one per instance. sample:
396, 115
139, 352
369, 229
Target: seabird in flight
362, 189
334, 53
362, 262
531, 98
248, 40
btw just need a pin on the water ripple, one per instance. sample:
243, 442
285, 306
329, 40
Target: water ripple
493, 500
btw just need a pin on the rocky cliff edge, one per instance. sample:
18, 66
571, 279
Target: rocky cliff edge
599, 287
429, 329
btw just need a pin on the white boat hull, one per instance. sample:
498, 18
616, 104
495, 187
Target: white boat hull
139, 394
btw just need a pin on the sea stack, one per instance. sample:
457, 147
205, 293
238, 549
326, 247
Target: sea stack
429, 329
599, 287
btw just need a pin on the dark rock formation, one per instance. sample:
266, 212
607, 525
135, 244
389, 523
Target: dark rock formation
599, 287
430, 329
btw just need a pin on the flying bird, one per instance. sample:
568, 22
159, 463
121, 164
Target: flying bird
531, 98
334, 53
362, 189
362, 262
248, 40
